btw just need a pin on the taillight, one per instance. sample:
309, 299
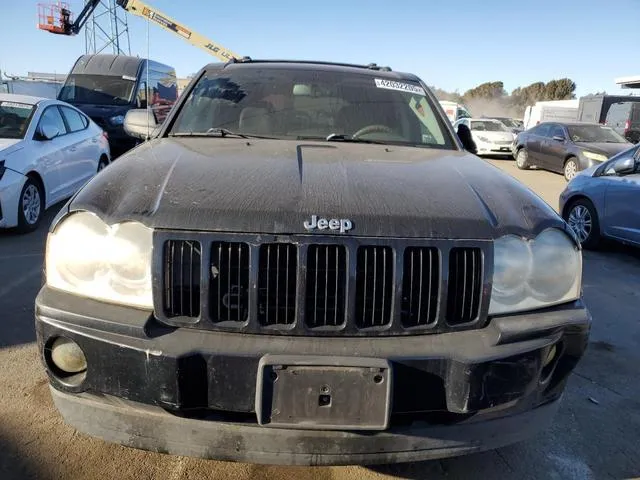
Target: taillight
105, 135
627, 126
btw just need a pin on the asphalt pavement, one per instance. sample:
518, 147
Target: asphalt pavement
596, 434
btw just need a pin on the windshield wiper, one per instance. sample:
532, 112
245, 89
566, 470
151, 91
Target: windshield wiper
217, 132
338, 137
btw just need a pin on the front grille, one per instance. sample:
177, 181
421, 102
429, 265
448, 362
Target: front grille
312, 285
229, 282
374, 286
420, 286
465, 283
277, 284
326, 283
181, 286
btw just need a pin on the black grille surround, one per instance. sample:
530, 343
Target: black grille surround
308, 285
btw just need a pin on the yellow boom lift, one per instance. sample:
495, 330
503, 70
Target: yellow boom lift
57, 18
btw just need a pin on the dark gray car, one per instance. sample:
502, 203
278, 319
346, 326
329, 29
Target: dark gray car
603, 201
566, 148
304, 266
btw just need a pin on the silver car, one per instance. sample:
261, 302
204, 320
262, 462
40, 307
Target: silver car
602, 201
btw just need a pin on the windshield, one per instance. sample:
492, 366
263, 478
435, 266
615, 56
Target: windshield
97, 89
488, 126
594, 134
508, 122
312, 104
14, 119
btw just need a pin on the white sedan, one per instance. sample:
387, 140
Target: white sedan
491, 136
48, 150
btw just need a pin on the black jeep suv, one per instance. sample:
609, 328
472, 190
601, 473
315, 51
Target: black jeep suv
304, 266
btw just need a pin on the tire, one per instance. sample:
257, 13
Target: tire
582, 217
571, 168
522, 159
102, 163
30, 206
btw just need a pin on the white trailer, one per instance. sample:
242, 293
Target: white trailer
550, 111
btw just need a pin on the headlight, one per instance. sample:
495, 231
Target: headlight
87, 257
536, 273
595, 156
117, 120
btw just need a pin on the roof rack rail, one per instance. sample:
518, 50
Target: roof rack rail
370, 66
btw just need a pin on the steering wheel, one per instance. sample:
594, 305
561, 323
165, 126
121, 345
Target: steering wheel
372, 129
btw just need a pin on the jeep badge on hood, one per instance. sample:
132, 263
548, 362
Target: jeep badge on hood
342, 224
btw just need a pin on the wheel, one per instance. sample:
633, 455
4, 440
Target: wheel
522, 159
102, 163
571, 168
30, 206
582, 217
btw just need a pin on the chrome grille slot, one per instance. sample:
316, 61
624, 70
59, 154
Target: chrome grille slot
374, 286
229, 282
465, 285
326, 284
277, 284
420, 286
181, 279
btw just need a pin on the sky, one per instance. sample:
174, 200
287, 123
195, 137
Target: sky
451, 45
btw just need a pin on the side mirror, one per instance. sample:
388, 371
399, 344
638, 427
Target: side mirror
140, 123
559, 138
464, 134
624, 166
48, 132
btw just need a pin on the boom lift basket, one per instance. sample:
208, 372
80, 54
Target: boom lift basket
55, 18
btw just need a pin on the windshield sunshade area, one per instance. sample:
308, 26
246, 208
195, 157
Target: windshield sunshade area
97, 89
488, 126
312, 105
594, 134
14, 119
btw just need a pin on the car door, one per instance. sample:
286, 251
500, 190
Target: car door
534, 140
48, 153
553, 148
81, 154
622, 197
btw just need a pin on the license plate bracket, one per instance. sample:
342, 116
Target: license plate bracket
323, 393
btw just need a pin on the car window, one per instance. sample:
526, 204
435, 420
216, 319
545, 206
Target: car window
14, 119
557, 131
309, 104
75, 121
542, 130
51, 116
487, 126
594, 134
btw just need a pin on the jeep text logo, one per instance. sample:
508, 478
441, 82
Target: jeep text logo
342, 224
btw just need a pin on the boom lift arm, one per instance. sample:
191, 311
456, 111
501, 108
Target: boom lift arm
141, 9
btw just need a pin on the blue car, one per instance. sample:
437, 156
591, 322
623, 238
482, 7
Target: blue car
602, 201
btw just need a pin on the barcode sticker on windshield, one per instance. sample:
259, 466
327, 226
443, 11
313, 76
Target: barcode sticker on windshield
15, 105
403, 87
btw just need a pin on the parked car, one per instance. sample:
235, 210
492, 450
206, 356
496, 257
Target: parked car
624, 118
48, 150
304, 266
603, 200
492, 137
566, 148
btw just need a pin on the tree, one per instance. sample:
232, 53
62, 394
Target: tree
488, 90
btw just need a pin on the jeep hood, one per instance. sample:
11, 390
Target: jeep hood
273, 186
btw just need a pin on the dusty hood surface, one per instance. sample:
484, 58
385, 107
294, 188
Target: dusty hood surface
608, 149
271, 186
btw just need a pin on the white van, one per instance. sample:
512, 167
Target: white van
454, 111
551, 111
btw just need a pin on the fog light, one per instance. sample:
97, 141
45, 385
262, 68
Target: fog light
68, 356
550, 356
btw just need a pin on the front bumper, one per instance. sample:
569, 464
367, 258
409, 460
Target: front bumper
10, 188
185, 391
494, 148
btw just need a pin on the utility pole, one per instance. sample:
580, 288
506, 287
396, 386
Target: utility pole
107, 30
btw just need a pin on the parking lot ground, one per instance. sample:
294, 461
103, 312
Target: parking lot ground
596, 434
